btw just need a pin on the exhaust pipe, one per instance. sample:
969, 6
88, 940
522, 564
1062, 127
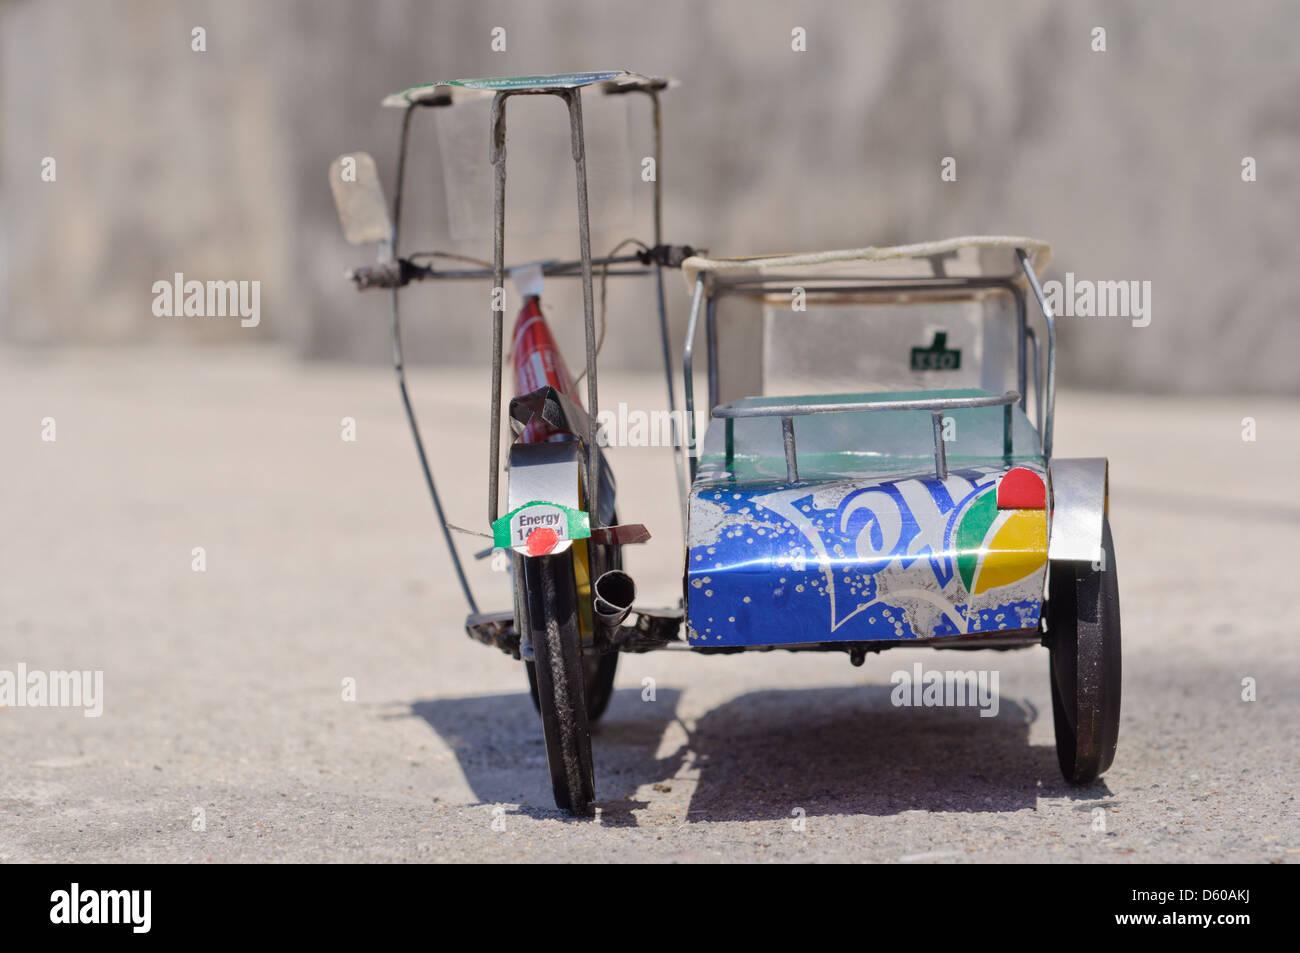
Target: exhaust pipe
614, 594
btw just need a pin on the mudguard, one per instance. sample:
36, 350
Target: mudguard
543, 492
533, 475
1080, 496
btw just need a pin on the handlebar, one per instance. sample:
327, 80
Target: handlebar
391, 274
402, 271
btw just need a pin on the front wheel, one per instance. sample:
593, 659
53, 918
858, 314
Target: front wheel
548, 594
598, 674
1084, 642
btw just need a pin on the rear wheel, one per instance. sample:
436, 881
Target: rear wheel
547, 591
1084, 642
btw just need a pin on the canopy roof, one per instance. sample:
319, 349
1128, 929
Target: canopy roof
970, 256
451, 91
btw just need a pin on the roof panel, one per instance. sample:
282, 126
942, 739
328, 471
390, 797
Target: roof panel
975, 256
451, 91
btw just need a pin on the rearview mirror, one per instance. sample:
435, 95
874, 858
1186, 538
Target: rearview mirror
363, 210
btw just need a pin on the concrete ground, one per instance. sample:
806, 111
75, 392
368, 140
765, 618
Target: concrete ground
225, 735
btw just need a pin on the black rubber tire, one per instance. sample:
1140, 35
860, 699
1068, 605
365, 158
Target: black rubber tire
598, 673
598, 670
550, 596
1084, 642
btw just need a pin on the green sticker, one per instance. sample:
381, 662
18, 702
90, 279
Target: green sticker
938, 356
512, 530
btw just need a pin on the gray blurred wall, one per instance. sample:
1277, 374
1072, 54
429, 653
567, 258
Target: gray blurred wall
214, 164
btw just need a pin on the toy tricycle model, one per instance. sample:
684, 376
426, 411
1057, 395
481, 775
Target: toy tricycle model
870, 477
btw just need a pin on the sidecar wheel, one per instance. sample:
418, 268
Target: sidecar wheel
1084, 643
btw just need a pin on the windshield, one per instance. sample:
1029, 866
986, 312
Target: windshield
851, 348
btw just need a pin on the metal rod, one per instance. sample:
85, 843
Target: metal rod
550, 269
658, 189
787, 438
660, 302
1038, 385
883, 291
497, 155
401, 180
572, 269
688, 375
711, 348
574, 99
1022, 327
867, 406
782, 283
424, 460
940, 454
1006, 430
673, 422
1051, 348
936, 407
399, 369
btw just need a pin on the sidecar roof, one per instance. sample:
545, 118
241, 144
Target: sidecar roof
452, 91
970, 256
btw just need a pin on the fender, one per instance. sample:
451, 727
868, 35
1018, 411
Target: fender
1080, 501
545, 472
544, 482
547, 407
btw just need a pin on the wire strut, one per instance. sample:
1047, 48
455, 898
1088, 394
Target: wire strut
399, 368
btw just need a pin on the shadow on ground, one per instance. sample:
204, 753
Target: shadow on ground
762, 755
498, 741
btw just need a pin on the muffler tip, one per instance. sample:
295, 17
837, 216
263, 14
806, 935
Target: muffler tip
614, 594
